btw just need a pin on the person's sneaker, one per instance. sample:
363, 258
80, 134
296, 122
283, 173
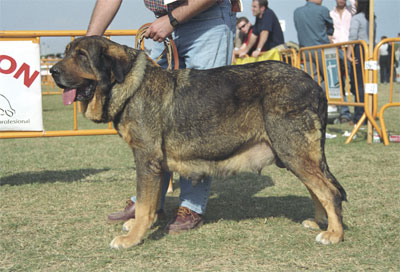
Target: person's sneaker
126, 214
184, 220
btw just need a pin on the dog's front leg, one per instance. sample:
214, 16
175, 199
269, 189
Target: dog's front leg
149, 183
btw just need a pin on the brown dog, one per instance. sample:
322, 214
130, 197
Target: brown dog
204, 122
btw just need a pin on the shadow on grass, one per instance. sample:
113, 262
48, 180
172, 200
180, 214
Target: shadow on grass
240, 197
49, 176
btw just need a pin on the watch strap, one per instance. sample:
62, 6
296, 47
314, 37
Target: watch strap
172, 20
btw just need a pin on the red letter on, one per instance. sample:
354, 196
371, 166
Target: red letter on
13, 64
25, 69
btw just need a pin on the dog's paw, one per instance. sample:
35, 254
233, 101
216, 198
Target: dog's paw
328, 237
311, 224
127, 226
123, 241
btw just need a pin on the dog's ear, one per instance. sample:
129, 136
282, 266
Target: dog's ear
120, 61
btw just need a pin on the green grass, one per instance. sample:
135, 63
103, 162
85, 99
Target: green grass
55, 194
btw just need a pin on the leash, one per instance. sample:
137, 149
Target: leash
171, 53
169, 44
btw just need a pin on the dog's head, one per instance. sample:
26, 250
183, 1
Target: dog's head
90, 66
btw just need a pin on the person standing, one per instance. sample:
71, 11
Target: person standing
341, 16
267, 32
203, 32
314, 26
359, 30
384, 61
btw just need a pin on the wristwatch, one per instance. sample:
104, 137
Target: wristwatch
172, 20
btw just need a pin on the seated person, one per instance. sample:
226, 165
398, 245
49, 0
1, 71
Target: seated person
267, 31
245, 29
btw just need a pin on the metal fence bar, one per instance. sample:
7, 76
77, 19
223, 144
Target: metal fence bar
390, 103
314, 50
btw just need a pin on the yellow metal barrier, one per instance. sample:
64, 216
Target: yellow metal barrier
391, 103
289, 56
18, 35
48, 84
312, 60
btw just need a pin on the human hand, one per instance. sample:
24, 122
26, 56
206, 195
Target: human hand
160, 29
233, 58
242, 53
256, 53
350, 57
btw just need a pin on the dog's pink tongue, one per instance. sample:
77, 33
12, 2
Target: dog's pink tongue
69, 96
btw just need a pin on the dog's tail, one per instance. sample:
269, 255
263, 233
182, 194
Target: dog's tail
322, 111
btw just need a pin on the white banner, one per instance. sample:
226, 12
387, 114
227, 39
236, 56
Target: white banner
398, 74
332, 72
20, 86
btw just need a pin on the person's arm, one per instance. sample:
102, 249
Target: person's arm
354, 26
261, 42
353, 36
249, 45
102, 15
161, 28
328, 22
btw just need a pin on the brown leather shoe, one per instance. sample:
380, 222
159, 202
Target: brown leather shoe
129, 213
126, 214
184, 220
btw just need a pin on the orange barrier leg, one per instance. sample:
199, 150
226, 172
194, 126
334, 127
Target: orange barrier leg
356, 128
384, 135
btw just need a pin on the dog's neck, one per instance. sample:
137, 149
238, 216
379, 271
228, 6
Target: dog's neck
120, 93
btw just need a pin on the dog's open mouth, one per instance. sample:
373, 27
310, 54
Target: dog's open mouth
78, 94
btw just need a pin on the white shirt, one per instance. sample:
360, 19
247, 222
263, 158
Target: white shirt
383, 50
341, 23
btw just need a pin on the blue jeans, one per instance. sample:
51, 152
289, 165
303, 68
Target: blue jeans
384, 64
344, 110
203, 42
358, 111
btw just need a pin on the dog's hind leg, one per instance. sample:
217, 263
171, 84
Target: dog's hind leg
320, 217
324, 195
149, 183
298, 142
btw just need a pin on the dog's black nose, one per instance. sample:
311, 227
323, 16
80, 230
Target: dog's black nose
54, 70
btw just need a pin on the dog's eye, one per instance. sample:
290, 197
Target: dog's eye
81, 54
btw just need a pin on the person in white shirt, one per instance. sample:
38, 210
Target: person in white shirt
341, 16
384, 61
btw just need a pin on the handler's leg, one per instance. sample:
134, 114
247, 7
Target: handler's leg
204, 42
193, 202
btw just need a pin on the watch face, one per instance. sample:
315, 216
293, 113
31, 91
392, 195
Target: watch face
174, 23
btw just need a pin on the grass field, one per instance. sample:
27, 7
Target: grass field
55, 194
